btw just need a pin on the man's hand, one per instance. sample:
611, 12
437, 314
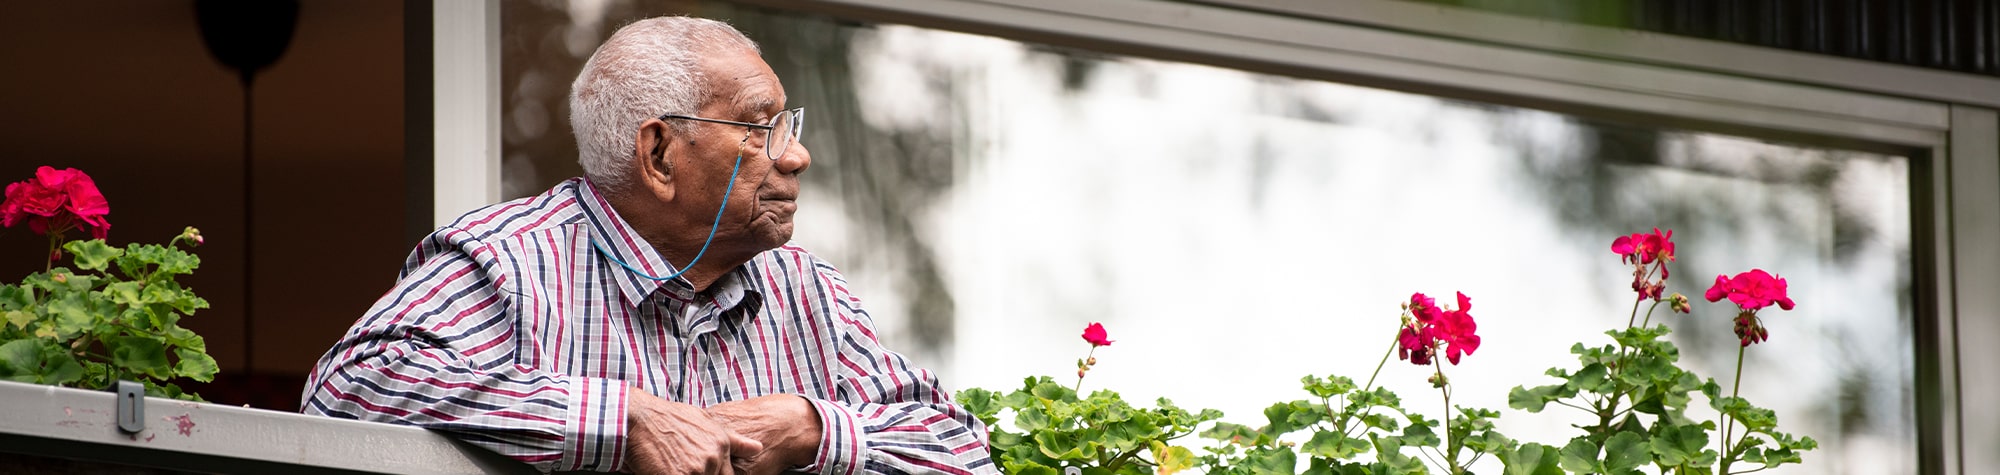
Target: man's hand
786, 424
671, 438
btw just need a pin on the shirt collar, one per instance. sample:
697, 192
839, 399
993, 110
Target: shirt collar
616, 236
612, 234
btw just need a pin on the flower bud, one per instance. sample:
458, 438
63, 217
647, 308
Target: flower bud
1680, 303
1091, 362
192, 235
1079, 373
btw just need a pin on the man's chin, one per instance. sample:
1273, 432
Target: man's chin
775, 234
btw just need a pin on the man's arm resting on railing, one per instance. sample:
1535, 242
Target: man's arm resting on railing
438, 352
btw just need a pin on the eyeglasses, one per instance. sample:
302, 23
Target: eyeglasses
786, 126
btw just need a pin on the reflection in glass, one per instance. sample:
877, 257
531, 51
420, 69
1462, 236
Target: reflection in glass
988, 198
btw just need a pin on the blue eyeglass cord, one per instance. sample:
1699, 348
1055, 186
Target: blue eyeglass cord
704, 243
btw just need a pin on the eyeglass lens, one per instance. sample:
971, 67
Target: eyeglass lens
784, 131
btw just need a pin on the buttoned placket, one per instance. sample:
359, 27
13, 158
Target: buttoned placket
698, 318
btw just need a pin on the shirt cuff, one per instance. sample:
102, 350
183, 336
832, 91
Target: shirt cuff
594, 430
839, 439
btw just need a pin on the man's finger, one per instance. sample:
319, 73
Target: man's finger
744, 447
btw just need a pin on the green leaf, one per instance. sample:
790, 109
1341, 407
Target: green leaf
195, 364
141, 355
1534, 400
1418, 435
1626, 452
1385, 422
20, 318
1329, 387
1054, 391
124, 293
1271, 460
15, 297
1580, 456
1065, 446
185, 338
1234, 433
1031, 468
980, 402
1131, 434
1593, 378
1682, 445
92, 254
1288, 417
1389, 456
1489, 442
71, 316
1531, 459
1031, 420
174, 296
38, 361
1334, 445
1171, 459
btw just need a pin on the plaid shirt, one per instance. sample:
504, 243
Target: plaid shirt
509, 331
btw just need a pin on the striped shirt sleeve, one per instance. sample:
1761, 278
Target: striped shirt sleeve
437, 352
888, 416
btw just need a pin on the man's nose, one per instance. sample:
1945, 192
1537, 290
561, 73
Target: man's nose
795, 160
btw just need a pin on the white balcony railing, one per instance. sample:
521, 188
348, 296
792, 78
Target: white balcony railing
68, 430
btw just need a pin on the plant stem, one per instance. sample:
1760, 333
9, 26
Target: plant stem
1729, 423
1345, 417
55, 240
1450, 450
1649, 314
1635, 306
1385, 360
1079, 374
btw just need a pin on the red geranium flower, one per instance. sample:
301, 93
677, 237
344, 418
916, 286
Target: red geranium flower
1431, 326
1095, 335
56, 201
1751, 290
1457, 329
1644, 251
1414, 344
1424, 308
1644, 248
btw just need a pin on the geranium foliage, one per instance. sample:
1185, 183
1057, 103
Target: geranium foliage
1631, 389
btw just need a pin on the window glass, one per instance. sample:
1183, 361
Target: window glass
1234, 231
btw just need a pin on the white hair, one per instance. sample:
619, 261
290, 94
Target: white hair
648, 68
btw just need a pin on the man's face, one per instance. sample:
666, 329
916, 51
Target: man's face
760, 207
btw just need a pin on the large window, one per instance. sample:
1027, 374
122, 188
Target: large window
1235, 231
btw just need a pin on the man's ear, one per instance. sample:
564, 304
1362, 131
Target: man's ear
654, 160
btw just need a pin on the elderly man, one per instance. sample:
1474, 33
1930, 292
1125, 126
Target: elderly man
650, 317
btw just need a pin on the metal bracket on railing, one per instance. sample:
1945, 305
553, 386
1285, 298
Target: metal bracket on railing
131, 407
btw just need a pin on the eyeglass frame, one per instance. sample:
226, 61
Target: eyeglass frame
798, 128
